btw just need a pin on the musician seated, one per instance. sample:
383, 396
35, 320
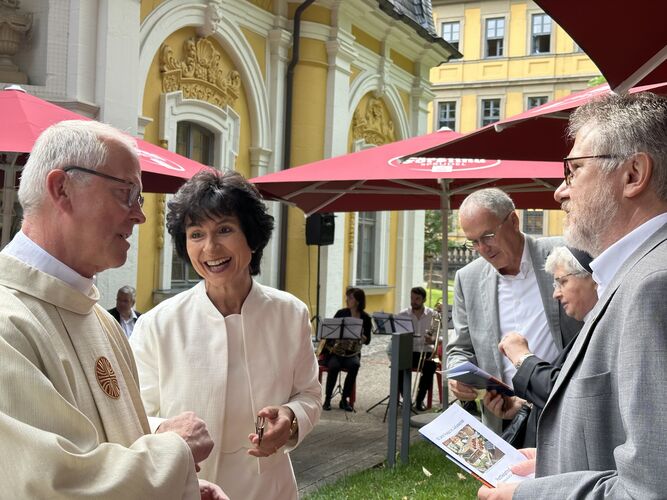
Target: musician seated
422, 342
346, 353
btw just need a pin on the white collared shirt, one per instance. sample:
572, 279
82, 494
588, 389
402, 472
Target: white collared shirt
520, 309
607, 264
128, 325
421, 326
24, 249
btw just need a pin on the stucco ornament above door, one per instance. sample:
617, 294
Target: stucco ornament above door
372, 123
199, 73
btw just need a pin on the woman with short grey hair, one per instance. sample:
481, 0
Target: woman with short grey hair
576, 291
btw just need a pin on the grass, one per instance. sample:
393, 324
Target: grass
433, 295
408, 482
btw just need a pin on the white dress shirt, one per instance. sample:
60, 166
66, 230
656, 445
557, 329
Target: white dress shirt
128, 325
607, 264
421, 325
521, 310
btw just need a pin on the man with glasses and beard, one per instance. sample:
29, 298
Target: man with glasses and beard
602, 431
505, 290
71, 420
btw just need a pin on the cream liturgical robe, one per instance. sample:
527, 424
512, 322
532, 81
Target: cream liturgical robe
182, 348
72, 424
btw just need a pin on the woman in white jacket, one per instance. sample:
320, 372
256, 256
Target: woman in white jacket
231, 349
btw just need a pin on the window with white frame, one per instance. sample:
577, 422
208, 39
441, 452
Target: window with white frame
540, 29
535, 101
451, 32
203, 132
447, 115
490, 111
494, 35
533, 222
576, 48
366, 238
195, 142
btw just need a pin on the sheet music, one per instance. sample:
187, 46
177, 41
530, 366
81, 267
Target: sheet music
340, 328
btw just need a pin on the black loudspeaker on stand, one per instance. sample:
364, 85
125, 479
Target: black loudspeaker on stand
320, 229
320, 232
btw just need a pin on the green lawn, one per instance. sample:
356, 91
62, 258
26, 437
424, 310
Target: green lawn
433, 295
410, 482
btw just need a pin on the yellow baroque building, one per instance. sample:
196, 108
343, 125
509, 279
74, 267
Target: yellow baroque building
514, 58
212, 86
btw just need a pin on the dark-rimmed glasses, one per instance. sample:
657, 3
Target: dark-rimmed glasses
487, 238
134, 195
568, 171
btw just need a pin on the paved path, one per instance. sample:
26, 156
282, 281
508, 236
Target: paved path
344, 443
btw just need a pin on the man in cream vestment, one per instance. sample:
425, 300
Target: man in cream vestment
72, 424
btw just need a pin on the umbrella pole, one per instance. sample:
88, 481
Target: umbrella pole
444, 211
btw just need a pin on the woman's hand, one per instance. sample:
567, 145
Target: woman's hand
276, 433
514, 345
505, 407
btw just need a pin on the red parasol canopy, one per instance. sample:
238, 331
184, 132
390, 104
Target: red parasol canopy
375, 179
536, 134
25, 116
627, 42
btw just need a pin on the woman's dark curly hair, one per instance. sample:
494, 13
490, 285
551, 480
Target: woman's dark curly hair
210, 194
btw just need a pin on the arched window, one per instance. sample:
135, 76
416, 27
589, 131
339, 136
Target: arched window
195, 142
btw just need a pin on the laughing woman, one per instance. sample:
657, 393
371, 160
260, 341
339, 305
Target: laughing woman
231, 349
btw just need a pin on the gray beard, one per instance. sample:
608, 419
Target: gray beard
593, 222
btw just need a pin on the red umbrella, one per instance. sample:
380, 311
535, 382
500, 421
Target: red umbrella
536, 134
375, 179
627, 42
25, 116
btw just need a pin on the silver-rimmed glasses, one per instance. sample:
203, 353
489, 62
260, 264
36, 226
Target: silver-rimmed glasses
134, 195
568, 170
488, 238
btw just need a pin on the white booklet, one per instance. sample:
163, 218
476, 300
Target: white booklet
474, 447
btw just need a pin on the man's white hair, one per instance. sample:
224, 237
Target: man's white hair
81, 143
494, 200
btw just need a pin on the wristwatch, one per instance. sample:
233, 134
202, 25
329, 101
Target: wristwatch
523, 358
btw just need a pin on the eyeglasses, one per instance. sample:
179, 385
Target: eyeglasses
568, 170
558, 282
486, 239
134, 195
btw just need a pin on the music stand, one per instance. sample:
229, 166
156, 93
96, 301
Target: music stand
388, 324
339, 329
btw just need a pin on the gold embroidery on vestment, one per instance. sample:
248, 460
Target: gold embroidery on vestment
106, 377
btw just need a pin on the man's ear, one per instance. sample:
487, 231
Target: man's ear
58, 188
638, 174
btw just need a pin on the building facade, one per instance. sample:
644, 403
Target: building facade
514, 58
207, 79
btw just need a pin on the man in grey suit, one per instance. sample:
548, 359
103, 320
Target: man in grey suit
602, 431
505, 290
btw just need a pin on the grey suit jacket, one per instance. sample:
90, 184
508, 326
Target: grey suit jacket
476, 318
603, 431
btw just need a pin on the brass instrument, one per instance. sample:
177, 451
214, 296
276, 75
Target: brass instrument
433, 329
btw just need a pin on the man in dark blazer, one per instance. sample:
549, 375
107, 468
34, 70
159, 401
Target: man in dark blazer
124, 311
602, 431
506, 289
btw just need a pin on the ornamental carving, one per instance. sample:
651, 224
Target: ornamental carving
199, 74
372, 123
15, 27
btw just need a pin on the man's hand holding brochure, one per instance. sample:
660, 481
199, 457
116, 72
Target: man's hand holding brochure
475, 448
474, 376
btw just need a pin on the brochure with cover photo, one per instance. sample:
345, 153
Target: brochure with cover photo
474, 447
473, 375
